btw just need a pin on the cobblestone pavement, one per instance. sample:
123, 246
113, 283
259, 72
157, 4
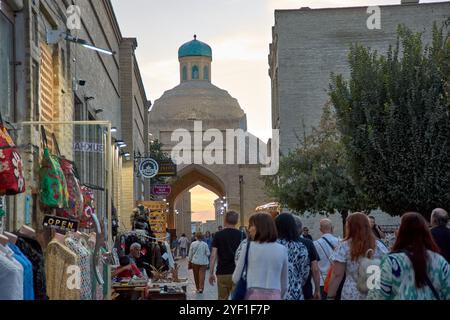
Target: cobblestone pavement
209, 293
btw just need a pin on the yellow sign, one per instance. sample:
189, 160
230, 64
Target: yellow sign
157, 217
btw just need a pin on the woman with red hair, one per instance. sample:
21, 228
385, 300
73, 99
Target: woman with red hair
346, 258
414, 270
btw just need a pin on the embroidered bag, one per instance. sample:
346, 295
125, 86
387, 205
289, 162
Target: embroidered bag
75, 203
12, 181
52, 183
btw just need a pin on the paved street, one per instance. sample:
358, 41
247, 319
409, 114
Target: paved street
210, 292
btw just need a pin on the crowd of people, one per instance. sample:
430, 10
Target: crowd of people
279, 260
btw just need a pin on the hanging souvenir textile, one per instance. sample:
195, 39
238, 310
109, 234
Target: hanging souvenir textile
12, 181
75, 205
89, 208
52, 183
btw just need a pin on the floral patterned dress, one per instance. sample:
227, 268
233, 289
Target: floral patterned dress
298, 268
342, 254
398, 279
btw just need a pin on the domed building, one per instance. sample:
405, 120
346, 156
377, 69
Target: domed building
195, 106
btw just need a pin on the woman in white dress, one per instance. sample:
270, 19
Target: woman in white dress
346, 258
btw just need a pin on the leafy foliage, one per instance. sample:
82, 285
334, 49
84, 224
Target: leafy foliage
314, 178
393, 114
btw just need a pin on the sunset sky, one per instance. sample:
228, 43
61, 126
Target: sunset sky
239, 33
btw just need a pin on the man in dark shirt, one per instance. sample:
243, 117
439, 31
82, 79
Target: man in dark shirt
224, 246
314, 272
440, 232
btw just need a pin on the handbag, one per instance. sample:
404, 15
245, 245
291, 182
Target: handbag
12, 181
52, 183
75, 203
326, 282
190, 263
241, 288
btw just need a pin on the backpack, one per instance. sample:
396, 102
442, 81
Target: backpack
364, 272
12, 181
52, 182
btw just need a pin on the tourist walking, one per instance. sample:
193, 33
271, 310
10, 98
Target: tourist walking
267, 268
325, 246
298, 261
414, 270
184, 244
377, 232
346, 258
306, 234
440, 231
175, 246
314, 274
224, 247
199, 260
208, 239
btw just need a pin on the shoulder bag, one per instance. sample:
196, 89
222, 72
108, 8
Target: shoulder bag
241, 288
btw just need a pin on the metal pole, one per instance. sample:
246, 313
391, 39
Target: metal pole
109, 148
241, 199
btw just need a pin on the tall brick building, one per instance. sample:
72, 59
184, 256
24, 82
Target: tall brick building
309, 44
43, 81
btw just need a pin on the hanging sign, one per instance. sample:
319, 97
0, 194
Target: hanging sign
88, 147
148, 168
161, 190
60, 223
167, 169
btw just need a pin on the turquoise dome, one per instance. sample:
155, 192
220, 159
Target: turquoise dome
194, 48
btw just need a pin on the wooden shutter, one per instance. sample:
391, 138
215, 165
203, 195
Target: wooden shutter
47, 90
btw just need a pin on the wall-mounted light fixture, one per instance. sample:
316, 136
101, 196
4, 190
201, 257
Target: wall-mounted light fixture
54, 36
113, 129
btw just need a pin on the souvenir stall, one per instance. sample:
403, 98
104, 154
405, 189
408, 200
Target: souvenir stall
155, 257
62, 249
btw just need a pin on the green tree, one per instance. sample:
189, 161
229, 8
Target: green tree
393, 114
314, 177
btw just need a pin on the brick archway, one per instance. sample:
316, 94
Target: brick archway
188, 178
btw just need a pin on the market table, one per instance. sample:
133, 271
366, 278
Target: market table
142, 290
167, 290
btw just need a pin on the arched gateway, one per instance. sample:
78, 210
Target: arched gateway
195, 107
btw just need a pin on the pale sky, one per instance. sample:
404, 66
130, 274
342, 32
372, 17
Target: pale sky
239, 33
202, 204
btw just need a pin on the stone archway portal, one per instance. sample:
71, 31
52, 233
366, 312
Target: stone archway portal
188, 178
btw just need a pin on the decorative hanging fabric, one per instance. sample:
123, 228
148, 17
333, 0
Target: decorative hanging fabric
75, 205
89, 208
52, 182
12, 181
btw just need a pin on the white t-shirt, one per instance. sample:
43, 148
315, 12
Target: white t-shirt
325, 251
183, 242
267, 266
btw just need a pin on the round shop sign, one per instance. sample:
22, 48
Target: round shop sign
148, 168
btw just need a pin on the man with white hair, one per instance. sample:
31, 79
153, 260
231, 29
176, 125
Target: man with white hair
325, 247
135, 252
440, 231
